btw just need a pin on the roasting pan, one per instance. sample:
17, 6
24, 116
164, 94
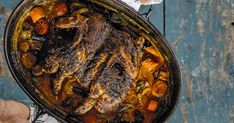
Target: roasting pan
12, 58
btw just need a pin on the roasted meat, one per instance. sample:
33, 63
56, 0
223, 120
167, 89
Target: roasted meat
101, 58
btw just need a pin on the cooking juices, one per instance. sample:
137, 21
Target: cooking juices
94, 63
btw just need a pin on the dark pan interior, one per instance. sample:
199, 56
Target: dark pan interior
12, 57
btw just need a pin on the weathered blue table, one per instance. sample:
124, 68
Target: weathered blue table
201, 34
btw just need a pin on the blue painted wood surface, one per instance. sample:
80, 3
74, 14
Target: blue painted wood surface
201, 35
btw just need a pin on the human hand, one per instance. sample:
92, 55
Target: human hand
13, 112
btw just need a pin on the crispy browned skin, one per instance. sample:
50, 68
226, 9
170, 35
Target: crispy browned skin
104, 59
114, 82
68, 59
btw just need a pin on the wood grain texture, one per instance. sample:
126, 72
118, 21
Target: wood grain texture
201, 33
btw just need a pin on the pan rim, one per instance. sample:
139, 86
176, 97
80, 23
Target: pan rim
50, 109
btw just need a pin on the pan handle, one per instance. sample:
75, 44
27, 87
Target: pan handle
147, 14
39, 115
35, 112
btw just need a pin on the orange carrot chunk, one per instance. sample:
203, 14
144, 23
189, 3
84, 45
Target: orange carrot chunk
24, 46
37, 70
60, 9
36, 14
153, 105
159, 89
42, 26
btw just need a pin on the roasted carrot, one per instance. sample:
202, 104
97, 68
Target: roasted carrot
37, 70
60, 9
153, 105
42, 26
24, 46
36, 14
159, 88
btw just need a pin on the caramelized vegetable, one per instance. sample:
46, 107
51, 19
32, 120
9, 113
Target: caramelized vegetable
28, 60
152, 61
125, 113
124, 108
43, 85
35, 45
141, 85
36, 14
148, 68
153, 105
78, 4
37, 70
133, 99
27, 34
157, 55
24, 46
143, 96
81, 11
60, 9
159, 88
75, 6
128, 116
164, 74
42, 26
68, 87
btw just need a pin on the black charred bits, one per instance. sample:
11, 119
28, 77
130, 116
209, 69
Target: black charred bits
67, 102
80, 91
138, 116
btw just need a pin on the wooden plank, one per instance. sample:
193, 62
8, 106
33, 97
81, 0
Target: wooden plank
156, 16
201, 35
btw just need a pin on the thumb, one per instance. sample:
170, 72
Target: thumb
11, 109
